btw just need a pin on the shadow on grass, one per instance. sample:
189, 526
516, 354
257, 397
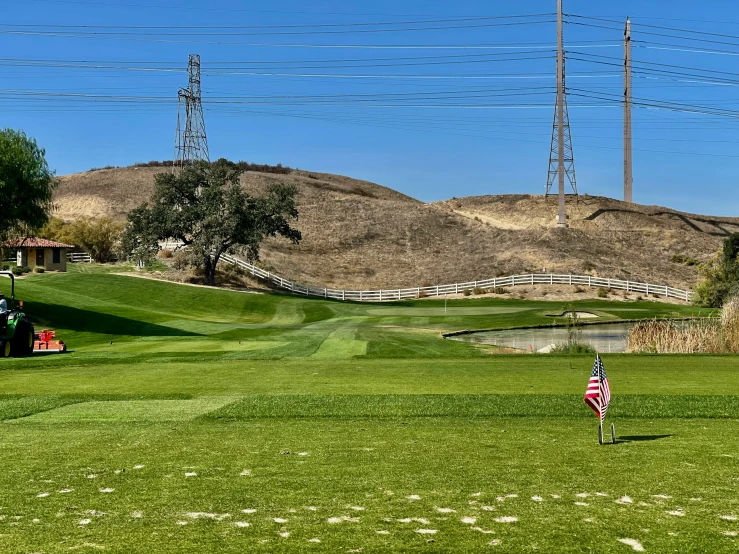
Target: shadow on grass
56, 316
641, 438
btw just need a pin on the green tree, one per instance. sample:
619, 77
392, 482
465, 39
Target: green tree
26, 183
205, 207
99, 237
720, 275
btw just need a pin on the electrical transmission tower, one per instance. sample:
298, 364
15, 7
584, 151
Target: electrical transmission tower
191, 144
561, 156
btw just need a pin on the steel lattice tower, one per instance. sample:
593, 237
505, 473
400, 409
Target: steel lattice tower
569, 156
191, 144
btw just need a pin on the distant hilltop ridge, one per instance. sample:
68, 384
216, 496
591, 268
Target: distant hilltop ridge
358, 234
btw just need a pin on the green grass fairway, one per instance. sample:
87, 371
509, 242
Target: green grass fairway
231, 422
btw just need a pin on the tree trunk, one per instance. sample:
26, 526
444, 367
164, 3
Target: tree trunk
210, 270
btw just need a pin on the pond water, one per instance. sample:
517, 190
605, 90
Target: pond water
607, 338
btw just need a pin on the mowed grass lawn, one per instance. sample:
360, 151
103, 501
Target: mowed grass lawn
231, 422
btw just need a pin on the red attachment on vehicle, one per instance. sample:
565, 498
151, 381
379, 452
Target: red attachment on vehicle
46, 336
44, 342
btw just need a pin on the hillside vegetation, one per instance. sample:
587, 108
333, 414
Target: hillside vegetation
358, 234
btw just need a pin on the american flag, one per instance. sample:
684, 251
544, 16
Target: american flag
598, 393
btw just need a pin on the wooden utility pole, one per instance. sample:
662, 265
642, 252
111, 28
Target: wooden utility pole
628, 169
562, 216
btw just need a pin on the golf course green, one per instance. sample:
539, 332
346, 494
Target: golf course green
190, 419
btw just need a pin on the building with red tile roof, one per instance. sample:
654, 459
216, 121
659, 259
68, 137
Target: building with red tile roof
36, 252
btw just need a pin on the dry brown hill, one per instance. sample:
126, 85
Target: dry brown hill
362, 235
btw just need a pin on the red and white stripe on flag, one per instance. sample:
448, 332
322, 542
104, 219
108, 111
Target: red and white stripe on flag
598, 393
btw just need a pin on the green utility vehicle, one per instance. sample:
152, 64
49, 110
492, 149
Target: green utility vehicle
16, 330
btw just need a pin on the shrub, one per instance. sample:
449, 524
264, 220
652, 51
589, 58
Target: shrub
421, 294
478, 291
602, 293
17, 271
165, 254
26, 269
588, 266
684, 259
38, 269
180, 260
6, 268
466, 292
544, 293
573, 348
579, 289
500, 290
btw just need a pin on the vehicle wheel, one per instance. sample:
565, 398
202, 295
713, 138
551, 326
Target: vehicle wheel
4, 349
23, 339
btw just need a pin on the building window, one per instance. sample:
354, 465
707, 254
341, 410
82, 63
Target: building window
57, 256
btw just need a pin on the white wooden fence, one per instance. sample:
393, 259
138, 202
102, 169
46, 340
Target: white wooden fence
457, 288
79, 257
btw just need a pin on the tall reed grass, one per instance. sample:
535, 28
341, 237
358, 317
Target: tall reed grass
712, 336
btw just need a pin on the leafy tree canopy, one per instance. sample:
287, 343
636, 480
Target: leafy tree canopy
720, 275
26, 183
205, 207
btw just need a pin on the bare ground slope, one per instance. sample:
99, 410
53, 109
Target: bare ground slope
362, 235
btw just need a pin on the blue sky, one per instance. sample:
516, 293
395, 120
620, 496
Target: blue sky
433, 98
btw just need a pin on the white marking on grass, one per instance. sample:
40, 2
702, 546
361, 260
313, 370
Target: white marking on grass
426, 531
506, 519
588, 520
95, 513
445, 510
314, 539
469, 520
485, 531
624, 500
357, 508
537, 499
181, 523
731, 533
555, 496
245, 473
476, 494
696, 500
36, 520
581, 504
242, 524
420, 520
137, 514
84, 522
729, 517
279, 520
65, 491
633, 543
119, 471
107, 490
303, 454
91, 476
488, 508
42, 495
284, 534
312, 508
139, 466
248, 511
494, 542
413, 497
473, 502
207, 515
191, 474
662, 496
582, 494
678, 512
342, 519
292, 511
382, 532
